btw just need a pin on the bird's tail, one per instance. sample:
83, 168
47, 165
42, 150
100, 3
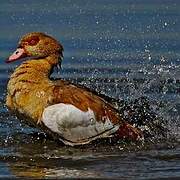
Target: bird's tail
141, 115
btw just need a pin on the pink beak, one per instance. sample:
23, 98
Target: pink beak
19, 53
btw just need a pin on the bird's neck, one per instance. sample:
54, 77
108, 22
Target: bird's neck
32, 74
37, 69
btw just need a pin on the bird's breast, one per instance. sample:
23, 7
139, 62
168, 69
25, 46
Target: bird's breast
28, 96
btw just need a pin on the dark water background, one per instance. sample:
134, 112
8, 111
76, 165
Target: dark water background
123, 48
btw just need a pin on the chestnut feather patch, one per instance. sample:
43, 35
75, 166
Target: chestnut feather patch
33, 40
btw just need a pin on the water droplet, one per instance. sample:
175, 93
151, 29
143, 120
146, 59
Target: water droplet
149, 57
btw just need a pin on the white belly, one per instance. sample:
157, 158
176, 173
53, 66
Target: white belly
75, 126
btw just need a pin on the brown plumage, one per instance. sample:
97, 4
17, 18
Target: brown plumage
30, 90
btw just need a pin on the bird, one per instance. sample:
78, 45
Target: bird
69, 112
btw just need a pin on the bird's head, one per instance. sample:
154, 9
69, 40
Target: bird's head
37, 45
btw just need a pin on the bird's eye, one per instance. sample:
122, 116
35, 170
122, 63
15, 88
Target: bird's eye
33, 41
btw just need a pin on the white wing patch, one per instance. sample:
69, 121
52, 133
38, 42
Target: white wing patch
76, 126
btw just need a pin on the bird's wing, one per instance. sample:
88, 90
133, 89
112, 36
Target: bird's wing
84, 99
80, 116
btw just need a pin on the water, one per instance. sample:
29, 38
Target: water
126, 49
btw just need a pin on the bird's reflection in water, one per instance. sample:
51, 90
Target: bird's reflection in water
22, 170
41, 157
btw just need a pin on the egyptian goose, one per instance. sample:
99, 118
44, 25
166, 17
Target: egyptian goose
69, 112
